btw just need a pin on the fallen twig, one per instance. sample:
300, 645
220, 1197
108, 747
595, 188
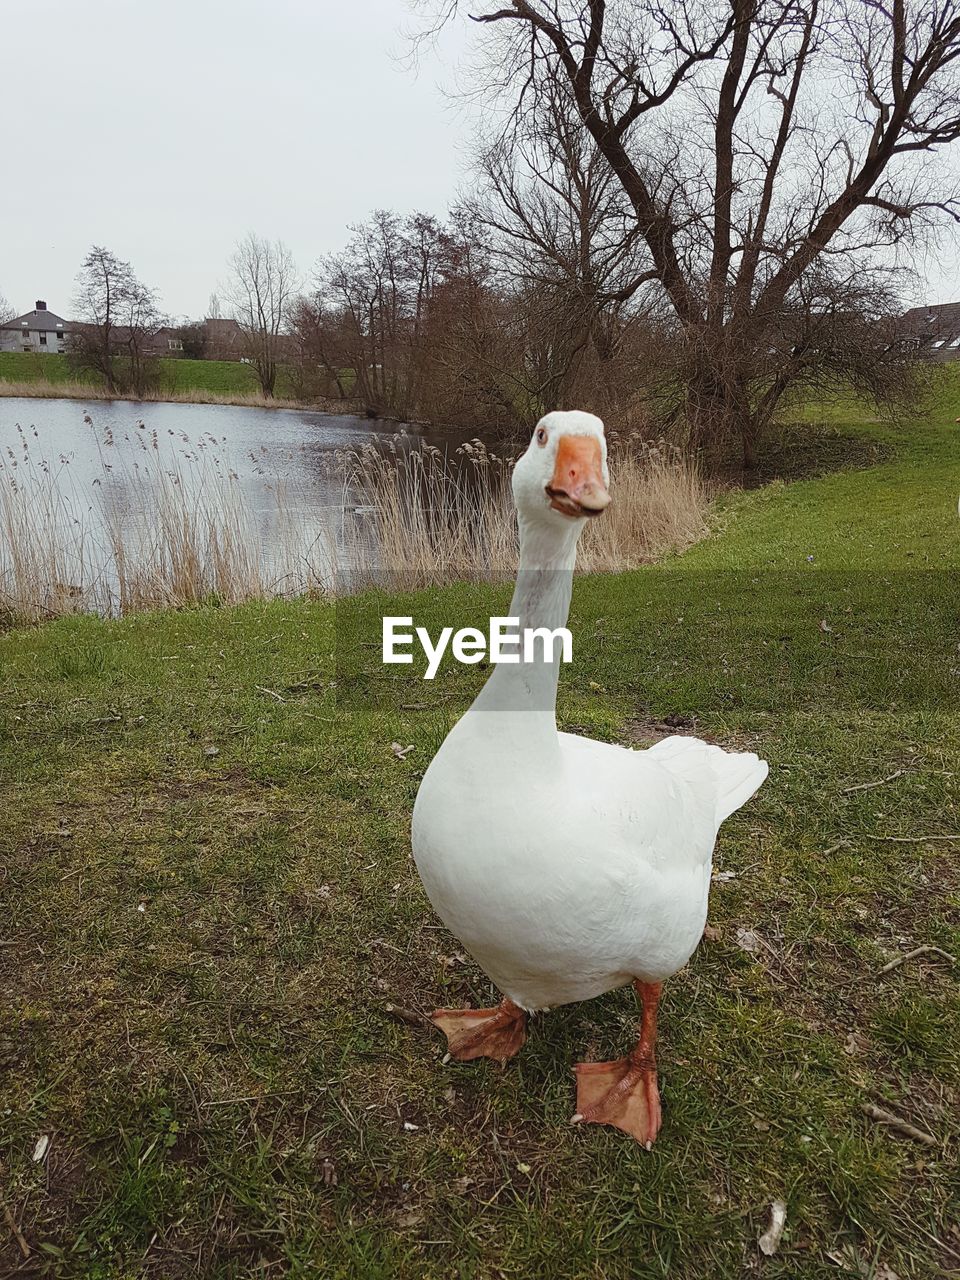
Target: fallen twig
913, 839
272, 692
912, 955
834, 847
869, 786
409, 1016
894, 1122
12, 1224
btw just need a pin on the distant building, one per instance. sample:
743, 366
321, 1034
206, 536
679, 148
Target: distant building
165, 342
933, 331
223, 339
42, 330
220, 340
39, 330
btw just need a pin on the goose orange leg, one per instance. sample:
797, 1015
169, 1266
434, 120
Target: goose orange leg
483, 1033
624, 1093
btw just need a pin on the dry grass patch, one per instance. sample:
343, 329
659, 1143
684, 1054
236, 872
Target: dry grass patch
155, 530
437, 521
45, 389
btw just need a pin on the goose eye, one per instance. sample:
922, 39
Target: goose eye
541, 435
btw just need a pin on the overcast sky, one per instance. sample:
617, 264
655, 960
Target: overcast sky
167, 131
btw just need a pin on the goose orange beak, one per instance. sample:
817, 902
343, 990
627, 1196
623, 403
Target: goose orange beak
577, 487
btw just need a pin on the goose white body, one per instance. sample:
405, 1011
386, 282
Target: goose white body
567, 867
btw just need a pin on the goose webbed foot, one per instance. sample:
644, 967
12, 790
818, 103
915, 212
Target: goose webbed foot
483, 1033
624, 1093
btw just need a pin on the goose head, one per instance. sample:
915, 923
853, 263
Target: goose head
563, 476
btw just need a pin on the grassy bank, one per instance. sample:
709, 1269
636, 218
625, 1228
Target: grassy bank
26, 366
209, 910
193, 381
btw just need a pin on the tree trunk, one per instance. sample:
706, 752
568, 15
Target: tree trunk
708, 410
748, 437
718, 412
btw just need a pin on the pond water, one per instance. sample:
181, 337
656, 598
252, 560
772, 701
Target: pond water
87, 475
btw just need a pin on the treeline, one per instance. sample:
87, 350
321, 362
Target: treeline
416, 319
422, 319
670, 221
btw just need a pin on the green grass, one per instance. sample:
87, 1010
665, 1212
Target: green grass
224, 377
208, 902
28, 366
221, 377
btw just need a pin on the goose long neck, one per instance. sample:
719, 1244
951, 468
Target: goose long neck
541, 599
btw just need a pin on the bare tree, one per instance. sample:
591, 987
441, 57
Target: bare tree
380, 288
193, 339
140, 319
484, 357
101, 282
117, 314
261, 286
770, 150
445, 322
563, 234
6, 311
322, 345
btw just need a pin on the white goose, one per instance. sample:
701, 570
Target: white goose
568, 867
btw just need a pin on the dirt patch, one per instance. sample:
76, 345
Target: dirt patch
804, 451
644, 731
224, 782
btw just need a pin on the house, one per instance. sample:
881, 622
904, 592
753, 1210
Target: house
166, 341
217, 339
223, 339
39, 330
933, 331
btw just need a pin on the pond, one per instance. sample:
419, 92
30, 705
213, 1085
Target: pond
99, 499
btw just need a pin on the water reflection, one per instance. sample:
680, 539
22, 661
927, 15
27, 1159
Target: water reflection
99, 480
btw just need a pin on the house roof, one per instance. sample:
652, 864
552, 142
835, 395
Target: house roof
942, 317
934, 329
38, 321
221, 327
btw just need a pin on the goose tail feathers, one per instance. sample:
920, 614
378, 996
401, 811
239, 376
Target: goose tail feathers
731, 777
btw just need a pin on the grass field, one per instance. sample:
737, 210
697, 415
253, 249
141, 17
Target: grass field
28, 366
208, 908
215, 377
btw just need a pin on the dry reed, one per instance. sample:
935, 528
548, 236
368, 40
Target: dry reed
43, 389
145, 529
466, 526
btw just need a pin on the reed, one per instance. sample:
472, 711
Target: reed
44, 389
465, 524
154, 524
